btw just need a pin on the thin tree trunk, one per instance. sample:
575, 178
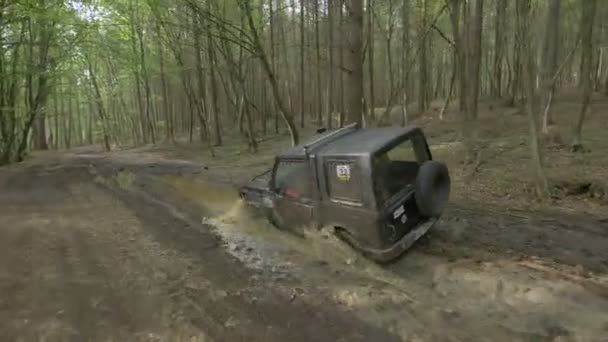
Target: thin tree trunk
318, 71
302, 67
423, 85
169, 129
342, 68
287, 115
144, 76
54, 138
501, 9
523, 28
587, 20
217, 128
330, 57
100, 107
448, 97
549, 58
370, 58
405, 57
273, 63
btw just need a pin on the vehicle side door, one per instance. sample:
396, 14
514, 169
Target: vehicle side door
293, 189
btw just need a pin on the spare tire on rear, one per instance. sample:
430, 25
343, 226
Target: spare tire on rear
432, 188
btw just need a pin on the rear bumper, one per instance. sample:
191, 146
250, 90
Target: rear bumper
390, 253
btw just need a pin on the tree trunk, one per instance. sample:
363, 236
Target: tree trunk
501, 9
318, 71
100, 107
370, 59
473, 19
302, 68
549, 64
405, 57
330, 57
459, 55
354, 62
343, 38
214, 105
144, 76
448, 97
606, 85
423, 86
527, 57
169, 129
587, 20
137, 80
273, 63
257, 44
37, 103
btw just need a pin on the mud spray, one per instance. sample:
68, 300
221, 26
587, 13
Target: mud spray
253, 240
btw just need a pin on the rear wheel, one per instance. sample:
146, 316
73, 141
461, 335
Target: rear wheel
432, 188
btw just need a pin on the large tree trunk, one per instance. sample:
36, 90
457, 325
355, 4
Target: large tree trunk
353, 62
549, 58
473, 19
527, 56
37, 103
587, 19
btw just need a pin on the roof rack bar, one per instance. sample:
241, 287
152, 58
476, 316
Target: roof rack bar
330, 135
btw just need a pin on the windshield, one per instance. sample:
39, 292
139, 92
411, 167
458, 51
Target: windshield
397, 168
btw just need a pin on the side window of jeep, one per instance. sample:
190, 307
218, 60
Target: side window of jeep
344, 181
292, 179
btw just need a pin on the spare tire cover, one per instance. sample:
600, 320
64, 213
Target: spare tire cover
432, 188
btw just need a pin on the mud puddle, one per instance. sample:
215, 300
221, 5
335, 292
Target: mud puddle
420, 297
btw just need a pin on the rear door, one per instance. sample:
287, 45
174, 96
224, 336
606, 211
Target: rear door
293, 186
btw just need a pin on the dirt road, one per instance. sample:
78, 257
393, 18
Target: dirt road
103, 249
78, 264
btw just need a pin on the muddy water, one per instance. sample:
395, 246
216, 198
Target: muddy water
420, 297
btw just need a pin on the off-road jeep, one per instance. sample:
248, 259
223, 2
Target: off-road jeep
378, 187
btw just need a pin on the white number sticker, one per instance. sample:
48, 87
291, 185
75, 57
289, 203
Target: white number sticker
343, 172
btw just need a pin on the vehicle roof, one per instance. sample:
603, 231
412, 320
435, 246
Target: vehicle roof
360, 142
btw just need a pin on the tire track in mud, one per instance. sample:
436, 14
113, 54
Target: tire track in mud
560, 238
94, 305
16, 256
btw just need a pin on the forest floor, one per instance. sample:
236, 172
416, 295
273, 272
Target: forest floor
152, 244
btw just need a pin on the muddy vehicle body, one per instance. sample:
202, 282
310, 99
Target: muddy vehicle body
378, 187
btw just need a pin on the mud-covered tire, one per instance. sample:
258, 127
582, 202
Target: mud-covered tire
432, 188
